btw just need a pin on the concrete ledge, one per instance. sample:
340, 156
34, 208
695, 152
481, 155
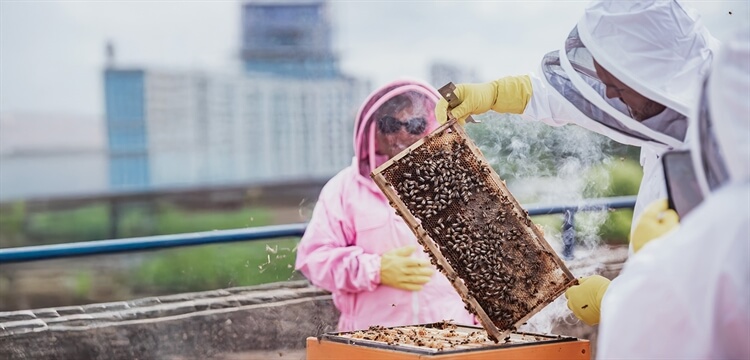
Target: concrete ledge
197, 325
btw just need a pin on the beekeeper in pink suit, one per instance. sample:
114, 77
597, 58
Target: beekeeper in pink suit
355, 245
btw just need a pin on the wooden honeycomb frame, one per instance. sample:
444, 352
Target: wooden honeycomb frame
504, 269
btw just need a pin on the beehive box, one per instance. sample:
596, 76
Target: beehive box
442, 340
475, 231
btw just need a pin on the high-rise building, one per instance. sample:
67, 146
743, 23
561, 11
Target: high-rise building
288, 38
51, 155
442, 73
288, 115
124, 100
194, 128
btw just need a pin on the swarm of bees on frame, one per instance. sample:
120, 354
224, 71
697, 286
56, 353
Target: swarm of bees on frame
443, 337
477, 227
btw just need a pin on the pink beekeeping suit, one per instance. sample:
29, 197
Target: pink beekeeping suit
352, 225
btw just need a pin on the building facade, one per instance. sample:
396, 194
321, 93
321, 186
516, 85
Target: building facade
170, 129
45, 155
287, 115
442, 73
127, 144
288, 38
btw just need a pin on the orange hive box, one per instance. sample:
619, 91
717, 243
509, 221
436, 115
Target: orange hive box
442, 341
475, 231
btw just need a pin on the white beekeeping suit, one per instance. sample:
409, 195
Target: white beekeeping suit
660, 49
687, 294
621, 57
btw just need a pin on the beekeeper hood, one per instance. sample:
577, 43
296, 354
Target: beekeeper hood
659, 49
364, 127
720, 132
721, 139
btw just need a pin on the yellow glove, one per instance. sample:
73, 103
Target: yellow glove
507, 95
399, 270
656, 220
585, 299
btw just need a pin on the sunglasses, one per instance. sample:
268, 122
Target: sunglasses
389, 125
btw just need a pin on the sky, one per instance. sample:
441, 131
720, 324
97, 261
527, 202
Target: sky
52, 52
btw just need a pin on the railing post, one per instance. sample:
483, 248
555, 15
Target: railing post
114, 219
568, 234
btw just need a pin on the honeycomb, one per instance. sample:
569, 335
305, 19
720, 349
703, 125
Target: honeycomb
442, 337
475, 231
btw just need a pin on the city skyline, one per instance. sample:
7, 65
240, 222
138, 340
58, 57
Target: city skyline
52, 53
285, 115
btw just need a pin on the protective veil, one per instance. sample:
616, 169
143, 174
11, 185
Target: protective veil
687, 295
658, 48
353, 226
693, 175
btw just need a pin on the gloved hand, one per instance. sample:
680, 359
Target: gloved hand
507, 95
585, 299
398, 269
656, 220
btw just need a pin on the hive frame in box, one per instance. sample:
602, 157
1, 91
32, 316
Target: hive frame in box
540, 339
431, 246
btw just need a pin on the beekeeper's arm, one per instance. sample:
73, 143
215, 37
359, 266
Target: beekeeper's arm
526, 95
328, 259
506, 95
585, 299
529, 96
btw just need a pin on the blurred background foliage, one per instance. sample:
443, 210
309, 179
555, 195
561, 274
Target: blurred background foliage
216, 266
123, 276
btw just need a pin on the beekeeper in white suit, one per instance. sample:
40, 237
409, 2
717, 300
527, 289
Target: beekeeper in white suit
687, 294
629, 70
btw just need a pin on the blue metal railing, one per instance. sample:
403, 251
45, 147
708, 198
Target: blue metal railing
44, 252
569, 214
616, 202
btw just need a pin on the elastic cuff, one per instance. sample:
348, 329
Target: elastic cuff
371, 264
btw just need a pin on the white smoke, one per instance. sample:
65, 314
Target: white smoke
550, 165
